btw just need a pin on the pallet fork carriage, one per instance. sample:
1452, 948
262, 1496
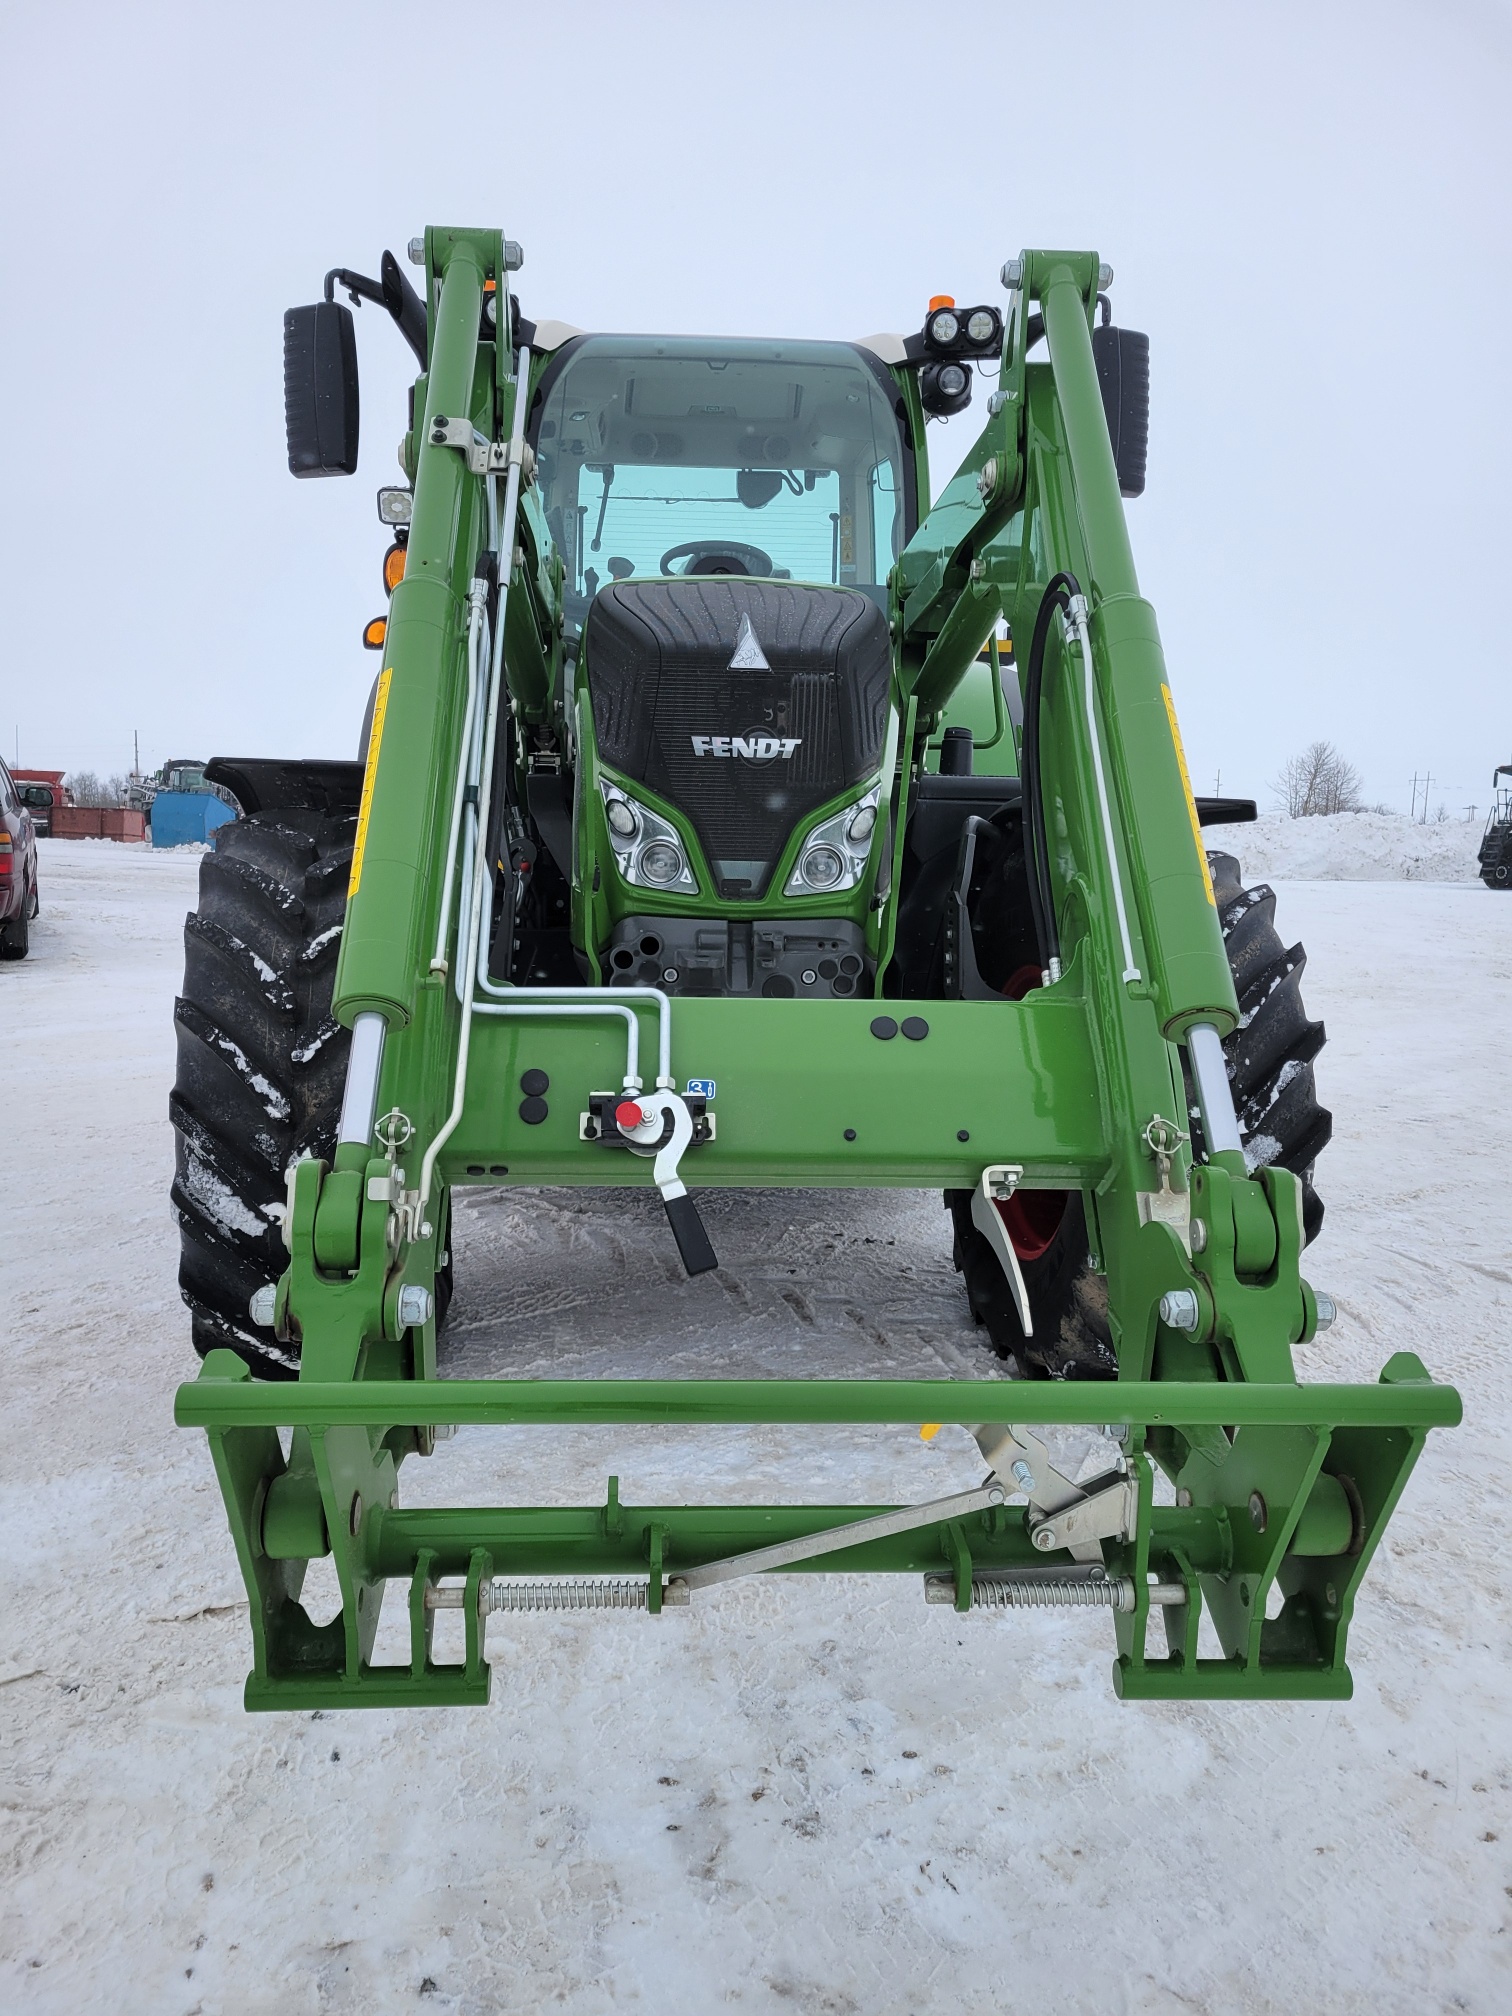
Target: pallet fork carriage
491, 1043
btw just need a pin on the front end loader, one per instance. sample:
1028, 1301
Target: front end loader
729, 814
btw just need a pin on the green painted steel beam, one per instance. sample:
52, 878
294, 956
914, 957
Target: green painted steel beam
210, 1402
1017, 1078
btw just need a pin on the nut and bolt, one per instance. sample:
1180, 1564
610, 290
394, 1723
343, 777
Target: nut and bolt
514, 256
996, 401
995, 1494
1013, 273
414, 1306
1259, 1512
416, 249
1044, 1538
1199, 1235
1328, 1309
1105, 276
1180, 1309
1023, 1476
987, 477
264, 1302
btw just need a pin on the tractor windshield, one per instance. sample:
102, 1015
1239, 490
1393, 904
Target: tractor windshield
688, 455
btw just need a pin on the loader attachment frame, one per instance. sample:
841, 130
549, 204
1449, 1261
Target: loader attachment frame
1282, 1488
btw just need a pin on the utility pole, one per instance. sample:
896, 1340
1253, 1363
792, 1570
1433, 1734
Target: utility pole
1470, 815
1413, 813
1423, 821
1218, 784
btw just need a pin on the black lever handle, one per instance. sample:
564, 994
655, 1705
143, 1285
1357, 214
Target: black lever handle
698, 1256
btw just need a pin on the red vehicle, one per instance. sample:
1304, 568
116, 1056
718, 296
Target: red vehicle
41, 792
18, 870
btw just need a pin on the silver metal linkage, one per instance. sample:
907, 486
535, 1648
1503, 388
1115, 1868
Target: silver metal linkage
1215, 1096
359, 1100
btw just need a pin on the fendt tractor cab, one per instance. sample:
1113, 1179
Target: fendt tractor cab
733, 812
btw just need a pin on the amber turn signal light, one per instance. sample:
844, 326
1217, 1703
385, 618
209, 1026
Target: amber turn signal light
393, 568
374, 634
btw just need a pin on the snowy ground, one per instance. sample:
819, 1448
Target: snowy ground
815, 1797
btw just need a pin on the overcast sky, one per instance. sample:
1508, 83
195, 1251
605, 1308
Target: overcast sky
1305, 206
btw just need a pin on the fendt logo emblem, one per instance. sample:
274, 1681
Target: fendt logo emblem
756, 748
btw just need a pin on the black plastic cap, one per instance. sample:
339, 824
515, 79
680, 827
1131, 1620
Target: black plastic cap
320, 390
698, 1256
1123, 375
955, 753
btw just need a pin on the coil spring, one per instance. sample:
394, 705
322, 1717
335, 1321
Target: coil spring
1049, 1594
574, 1595
1037, 1592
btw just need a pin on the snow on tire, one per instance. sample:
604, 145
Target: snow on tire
1270, 1055
261, 1062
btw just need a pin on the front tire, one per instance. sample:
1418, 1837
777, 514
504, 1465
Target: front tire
261, 1062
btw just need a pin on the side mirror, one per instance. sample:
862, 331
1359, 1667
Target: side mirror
1123, 374
320, 390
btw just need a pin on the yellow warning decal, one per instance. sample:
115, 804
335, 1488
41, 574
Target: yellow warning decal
1186, 785
380, 705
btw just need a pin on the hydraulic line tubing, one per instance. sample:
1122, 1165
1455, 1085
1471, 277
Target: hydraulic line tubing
1057, 595
467, 939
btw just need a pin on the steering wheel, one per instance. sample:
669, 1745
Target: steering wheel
716, 556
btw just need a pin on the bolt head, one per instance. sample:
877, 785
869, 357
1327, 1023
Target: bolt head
1328, 1309
355, 1516
514, 255
1105, 276
414, 1305
416, 250
1013, 273
1043, 1538
262, 1305
1258, 1511
1180, 1309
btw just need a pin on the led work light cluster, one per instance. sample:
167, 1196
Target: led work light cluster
954, 338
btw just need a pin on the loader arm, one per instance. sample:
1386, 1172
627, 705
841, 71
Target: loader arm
480, 741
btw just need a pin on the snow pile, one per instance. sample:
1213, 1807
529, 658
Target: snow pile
1351, 847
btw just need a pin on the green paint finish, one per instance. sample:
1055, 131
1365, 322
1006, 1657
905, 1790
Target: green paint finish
1286, 1488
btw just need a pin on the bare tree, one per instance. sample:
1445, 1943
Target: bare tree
88, 789
1318, 783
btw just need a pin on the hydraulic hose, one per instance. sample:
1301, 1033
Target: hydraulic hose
1057, 595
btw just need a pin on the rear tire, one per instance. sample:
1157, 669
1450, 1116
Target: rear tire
261, 1062
1270, 1059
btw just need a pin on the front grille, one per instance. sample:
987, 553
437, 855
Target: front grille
665, 699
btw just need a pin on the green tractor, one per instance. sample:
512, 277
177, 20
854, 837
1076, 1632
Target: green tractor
731, 815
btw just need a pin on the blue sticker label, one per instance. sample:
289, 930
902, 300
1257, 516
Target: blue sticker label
701, 1088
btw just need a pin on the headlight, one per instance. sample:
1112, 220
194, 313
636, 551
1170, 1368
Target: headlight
982, 325
822, 867
834, 855
661, 863
944, 328
648, 850
953, 380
